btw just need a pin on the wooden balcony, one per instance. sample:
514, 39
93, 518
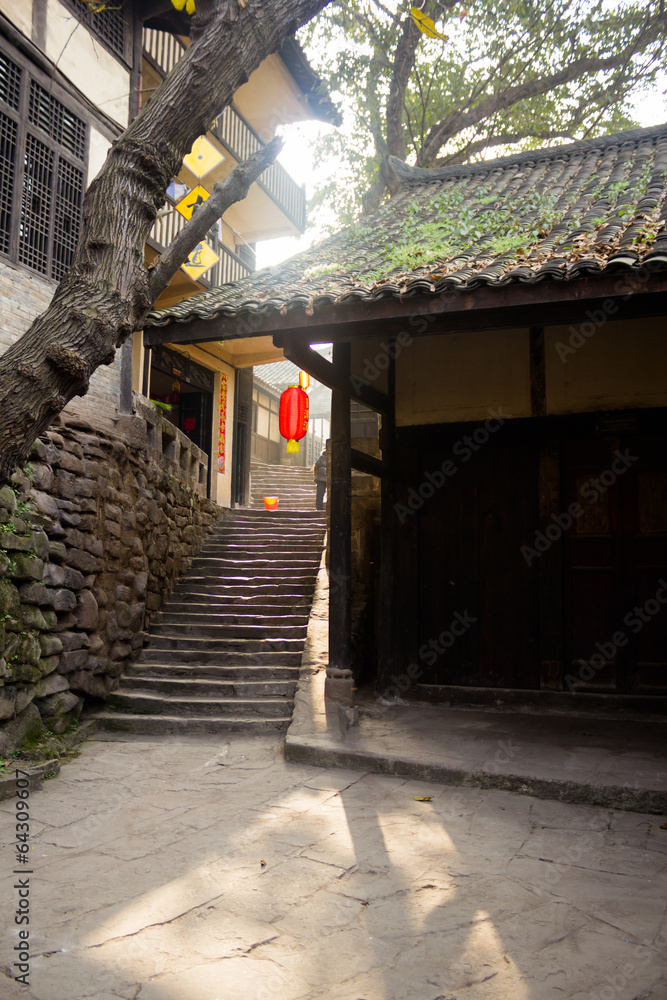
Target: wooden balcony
234, 133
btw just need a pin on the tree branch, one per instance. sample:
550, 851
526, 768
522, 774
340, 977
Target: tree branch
457, 121
225, 193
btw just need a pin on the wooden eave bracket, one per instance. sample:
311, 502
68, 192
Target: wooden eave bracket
326, 373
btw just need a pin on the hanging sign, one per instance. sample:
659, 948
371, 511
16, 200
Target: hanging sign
200, 260
203, 157
192, 201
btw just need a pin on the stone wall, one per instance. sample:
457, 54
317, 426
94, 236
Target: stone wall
93, 535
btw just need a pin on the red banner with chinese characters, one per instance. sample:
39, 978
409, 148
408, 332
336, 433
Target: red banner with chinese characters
223, 423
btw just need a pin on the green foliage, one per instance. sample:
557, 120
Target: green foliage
472, 83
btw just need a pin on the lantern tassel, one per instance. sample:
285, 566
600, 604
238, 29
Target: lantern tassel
292, 447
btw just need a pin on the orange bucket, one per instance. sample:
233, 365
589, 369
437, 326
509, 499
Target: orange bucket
271, 503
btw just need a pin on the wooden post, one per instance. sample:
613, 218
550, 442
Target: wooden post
339, 681
388, 529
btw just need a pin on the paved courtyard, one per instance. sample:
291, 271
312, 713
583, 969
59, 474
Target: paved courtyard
213, 870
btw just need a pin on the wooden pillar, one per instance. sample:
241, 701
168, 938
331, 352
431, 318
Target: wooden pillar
339, 675
389, 539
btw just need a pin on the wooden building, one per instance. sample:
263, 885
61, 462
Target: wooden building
507, 319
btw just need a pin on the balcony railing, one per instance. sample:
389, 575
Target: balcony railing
238, 137
162, 49
230, 267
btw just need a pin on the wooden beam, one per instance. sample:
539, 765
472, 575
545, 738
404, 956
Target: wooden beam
387, 659
305, 357
538, 378
340, 526
369, 464
451, 312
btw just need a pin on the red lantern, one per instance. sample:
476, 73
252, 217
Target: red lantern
293, 416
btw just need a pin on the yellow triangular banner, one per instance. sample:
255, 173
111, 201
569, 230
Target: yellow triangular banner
426, 24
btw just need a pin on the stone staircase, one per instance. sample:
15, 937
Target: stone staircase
224, 653
293, 485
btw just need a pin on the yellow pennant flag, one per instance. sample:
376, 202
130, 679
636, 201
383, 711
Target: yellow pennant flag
188, 4
425, 24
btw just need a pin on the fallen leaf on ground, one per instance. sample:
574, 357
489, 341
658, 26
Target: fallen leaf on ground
423, 798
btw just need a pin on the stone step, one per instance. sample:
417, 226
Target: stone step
302, 561
221, 632
214, 618
233, 672
243, 592
207, 646
136, 702
166, 725
209, 603
222, 658
209, 687
272, 516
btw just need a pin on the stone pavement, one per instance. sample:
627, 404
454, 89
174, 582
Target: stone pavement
211, 869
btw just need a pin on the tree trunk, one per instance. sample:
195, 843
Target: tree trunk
106, 293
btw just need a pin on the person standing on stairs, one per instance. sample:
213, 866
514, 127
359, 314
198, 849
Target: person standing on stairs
320, 477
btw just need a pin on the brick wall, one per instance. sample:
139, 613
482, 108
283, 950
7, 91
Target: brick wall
23, 296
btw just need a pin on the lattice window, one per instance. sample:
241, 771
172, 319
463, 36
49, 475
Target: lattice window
36, 205
67, 219
53, 118
43, 148
8, 131
109, 24
10, 82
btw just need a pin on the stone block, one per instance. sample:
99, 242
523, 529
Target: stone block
50, 644
64, 600
88, 488
87, 614
66, 484
89, 684
65, 623
70, 463
75, 539
94, 545
45, 505
112, 513
133, 430
75, 659
10, 600
35, 593
71, 518
25, 567
88, 506
57, 551
82, 560
140, 584
51, 685
57, 704
48, 664
120, 651
136, 617
99, 664
112, 528
54, 576
7, 704
32, 617
42, 477
26, 726
73, 580
8, 499
72, 640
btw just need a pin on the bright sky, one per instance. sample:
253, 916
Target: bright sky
650, 108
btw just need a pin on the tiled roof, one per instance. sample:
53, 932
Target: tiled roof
588, 208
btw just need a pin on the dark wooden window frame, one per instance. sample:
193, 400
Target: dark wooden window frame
111, 27
44, 146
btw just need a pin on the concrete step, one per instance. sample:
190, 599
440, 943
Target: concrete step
159, 703
166, 725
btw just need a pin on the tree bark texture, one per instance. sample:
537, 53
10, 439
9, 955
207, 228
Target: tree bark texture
107, 291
